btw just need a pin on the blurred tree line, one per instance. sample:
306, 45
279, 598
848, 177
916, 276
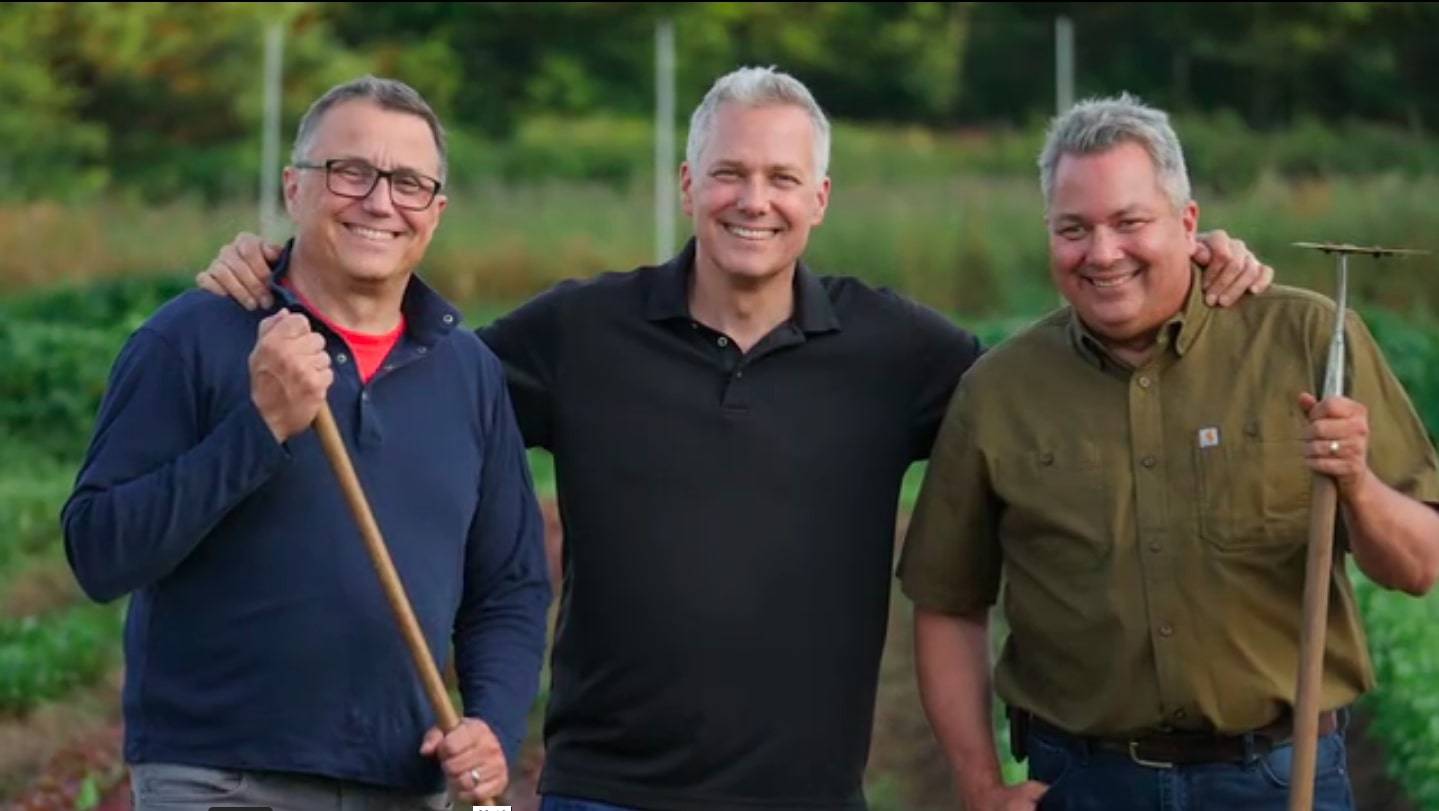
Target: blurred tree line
165, 98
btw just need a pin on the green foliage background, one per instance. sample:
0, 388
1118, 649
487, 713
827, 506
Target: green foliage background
131, 151
163, 100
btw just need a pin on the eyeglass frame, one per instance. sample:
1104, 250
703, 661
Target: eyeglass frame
379, 175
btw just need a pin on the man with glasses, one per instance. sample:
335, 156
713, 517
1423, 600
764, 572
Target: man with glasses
263, 666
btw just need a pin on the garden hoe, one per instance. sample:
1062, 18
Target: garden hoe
1318, 569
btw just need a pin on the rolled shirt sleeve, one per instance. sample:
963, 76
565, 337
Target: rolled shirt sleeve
952, 558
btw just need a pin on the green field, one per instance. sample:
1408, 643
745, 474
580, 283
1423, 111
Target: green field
955, 221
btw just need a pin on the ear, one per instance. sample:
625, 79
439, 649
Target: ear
290, 182
823, 195
1189, 220
686, 189
441, 201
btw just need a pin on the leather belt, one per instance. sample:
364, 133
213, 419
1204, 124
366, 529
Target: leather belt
1164, 750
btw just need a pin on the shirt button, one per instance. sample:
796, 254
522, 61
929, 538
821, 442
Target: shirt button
1144, 382
1046, 459
1166, 630
722, 341
341, 358
1154, 547
365, 395
448, 319
422, 350
1180, 715
739, 374
1148, 461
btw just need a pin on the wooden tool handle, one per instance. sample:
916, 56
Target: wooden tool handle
339, 457
1317, 576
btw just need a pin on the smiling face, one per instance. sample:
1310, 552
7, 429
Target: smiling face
755, 194
1119, 251
369, 239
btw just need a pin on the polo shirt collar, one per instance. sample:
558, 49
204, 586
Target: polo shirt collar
1180, 331
428, 316
668, 295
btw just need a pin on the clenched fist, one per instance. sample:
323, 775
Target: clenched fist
289, 373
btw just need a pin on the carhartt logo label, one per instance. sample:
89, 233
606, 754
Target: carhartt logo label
1208, 437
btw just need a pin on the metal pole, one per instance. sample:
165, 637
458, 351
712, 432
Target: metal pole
1063, 74
1063, 64
270, 134
664, 140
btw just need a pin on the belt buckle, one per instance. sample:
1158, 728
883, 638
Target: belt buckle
1151, 764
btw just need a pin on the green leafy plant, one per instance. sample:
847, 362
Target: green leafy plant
46, 657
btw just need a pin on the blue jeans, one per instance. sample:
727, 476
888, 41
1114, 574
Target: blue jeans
1081, 778
550, 802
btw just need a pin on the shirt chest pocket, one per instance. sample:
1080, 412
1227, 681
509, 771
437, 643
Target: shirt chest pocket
1254, 491
1058, 504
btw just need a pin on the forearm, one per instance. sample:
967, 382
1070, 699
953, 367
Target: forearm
499, 649
952, 661
1394, 538
123, 532
500, 628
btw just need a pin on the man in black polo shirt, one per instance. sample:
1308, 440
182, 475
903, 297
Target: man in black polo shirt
729, 432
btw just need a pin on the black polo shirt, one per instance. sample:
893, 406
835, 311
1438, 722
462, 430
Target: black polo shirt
729, 522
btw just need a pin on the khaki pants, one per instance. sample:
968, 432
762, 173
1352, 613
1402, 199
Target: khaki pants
172, 787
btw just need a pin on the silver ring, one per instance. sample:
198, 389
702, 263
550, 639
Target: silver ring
1333, 447
474, 778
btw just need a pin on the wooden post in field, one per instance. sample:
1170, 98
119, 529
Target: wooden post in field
664, 140
270, 134
1063, 64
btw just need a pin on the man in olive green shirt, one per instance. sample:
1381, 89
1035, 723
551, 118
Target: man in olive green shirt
1137, 467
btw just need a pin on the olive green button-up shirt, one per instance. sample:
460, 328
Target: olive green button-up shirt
1150, 524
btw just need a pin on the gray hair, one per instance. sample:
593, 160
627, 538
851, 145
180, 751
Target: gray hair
387, 94
1098, 125
757, 87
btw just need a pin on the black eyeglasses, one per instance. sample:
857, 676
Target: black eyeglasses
354, 178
